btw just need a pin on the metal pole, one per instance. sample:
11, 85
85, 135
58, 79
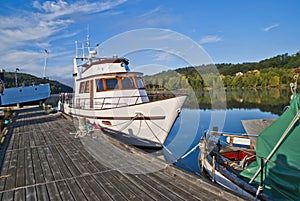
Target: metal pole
261, 184
45, 64
16, 77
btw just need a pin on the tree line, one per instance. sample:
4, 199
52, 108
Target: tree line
273, 72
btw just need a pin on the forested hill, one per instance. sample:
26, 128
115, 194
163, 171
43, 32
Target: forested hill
280, 61
55, 86
273, 72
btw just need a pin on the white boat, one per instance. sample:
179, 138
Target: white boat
109, 96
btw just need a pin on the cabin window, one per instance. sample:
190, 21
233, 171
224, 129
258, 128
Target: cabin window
87, 87
112, 83
81, 87
84, 87
100, 86
140, 83
127, 83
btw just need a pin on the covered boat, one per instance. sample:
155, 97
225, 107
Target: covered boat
109, 96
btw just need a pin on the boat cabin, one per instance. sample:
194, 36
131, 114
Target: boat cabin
102, 83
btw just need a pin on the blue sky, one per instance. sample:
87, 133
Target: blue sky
232, 31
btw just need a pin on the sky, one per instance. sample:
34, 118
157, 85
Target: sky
233, 31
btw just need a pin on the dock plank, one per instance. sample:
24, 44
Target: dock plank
74, 154
4, 171
26, 137
125, 186
86, 189
19, 194
31, 193
32, 139
46, 168
60, 163
69, 163
113, 192
15, 141
8, 195
76, 190
42, 193
156, 191
96, 187
53, 191
11, 180
20, 177
38, 172
53, 166
64, 191
29, 171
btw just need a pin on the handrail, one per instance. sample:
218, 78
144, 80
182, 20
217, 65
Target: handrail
227, 134
109, 102
106, 102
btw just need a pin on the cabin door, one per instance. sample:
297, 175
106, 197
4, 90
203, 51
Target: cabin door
91, 93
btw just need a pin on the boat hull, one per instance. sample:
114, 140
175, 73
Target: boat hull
150, 120
25, 95
224, 178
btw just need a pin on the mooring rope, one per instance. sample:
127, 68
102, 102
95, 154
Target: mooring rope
175, 158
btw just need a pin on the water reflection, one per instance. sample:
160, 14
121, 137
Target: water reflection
270, 100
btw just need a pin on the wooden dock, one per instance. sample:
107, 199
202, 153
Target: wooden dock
44, 162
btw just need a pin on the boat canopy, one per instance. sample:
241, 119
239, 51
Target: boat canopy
282, 171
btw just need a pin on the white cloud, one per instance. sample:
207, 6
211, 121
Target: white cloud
157, 16
210, 39
268, 28
24, 33
50, 6
151, 12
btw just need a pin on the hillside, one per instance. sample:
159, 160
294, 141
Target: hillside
55, 86
272, 72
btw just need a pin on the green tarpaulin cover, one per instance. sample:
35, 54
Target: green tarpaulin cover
282, 173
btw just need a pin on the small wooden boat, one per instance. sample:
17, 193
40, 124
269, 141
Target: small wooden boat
222, 161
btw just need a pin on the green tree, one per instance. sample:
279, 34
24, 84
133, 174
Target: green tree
274, 81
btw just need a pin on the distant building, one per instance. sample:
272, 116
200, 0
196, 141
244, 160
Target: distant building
239, 74
253, 71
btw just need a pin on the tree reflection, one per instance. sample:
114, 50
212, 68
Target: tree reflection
267, 100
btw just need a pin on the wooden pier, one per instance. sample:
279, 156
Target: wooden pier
44, 162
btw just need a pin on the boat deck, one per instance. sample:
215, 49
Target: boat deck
42, 161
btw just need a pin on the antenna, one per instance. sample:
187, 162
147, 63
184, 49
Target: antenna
45, 64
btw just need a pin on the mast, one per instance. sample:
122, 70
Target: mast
45, 63
16, 77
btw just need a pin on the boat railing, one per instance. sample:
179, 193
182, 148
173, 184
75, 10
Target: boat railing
110, 102
106, 102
